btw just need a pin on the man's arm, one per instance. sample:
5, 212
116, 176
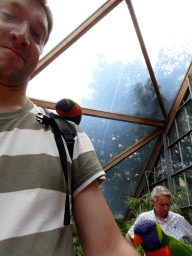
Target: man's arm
129, 239
97, 229
187, 229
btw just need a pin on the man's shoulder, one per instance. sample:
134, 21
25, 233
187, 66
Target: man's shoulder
146, 214
174, 215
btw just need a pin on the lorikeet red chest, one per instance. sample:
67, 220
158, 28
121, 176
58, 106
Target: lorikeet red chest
165, 251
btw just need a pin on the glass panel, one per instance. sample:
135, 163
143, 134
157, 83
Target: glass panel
158, 170
175, 158
164, 166
108, 60
182, 122
165, 183
188, 174
143, 100
180, 186
190, 82
146, 189
170, 161
170, 48
189, 112
110, 138
151, 178
172, 134
187, 96
123, 179
186, 151
104, 69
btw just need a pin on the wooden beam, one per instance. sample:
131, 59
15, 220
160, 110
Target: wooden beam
76, 34
132, 149
108, 115
146, 56
122, 117
47, 104
147, 171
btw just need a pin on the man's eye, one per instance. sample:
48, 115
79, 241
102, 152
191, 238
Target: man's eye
36, 35
10, 17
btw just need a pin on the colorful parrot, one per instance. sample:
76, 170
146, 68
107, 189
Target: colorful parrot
156, 243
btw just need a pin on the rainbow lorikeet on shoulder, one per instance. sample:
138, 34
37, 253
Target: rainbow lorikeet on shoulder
69, 109
156, 243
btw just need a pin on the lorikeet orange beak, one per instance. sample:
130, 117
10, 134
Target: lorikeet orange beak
137, 240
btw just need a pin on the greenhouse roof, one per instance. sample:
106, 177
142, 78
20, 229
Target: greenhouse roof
124, 63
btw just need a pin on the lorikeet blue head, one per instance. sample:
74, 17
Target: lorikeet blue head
148, 234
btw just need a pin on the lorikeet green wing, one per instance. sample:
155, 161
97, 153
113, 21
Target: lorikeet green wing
176, 247
179, 248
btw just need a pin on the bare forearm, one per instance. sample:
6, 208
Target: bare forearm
126, 249
129, 239
98, 232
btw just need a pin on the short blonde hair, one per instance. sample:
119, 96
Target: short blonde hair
160, 191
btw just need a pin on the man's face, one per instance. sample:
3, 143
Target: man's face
23, 29
161, 206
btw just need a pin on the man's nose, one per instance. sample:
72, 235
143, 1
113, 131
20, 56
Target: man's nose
21, 34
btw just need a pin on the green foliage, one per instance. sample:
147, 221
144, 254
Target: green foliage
77, 246
78, 250
139, 205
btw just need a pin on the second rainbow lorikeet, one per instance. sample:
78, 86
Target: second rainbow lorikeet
156, 243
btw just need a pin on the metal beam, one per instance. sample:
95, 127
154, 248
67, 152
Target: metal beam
146, 56
132, 149
108, 114
76, 34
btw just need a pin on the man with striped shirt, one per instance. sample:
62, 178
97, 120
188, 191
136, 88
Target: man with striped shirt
32, 186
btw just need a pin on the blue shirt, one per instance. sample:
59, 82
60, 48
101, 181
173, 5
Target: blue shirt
174, 225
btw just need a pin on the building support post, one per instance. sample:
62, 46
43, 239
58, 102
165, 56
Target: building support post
169, 172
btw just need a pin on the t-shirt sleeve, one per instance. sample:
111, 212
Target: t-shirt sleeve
85, 165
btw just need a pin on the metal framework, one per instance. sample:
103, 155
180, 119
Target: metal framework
146, 56
72, 38
161, 126
147, 171
172, 114
108, 114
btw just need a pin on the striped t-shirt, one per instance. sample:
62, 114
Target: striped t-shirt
32, 186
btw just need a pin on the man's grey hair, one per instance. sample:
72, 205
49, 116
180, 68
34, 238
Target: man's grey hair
160, 191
